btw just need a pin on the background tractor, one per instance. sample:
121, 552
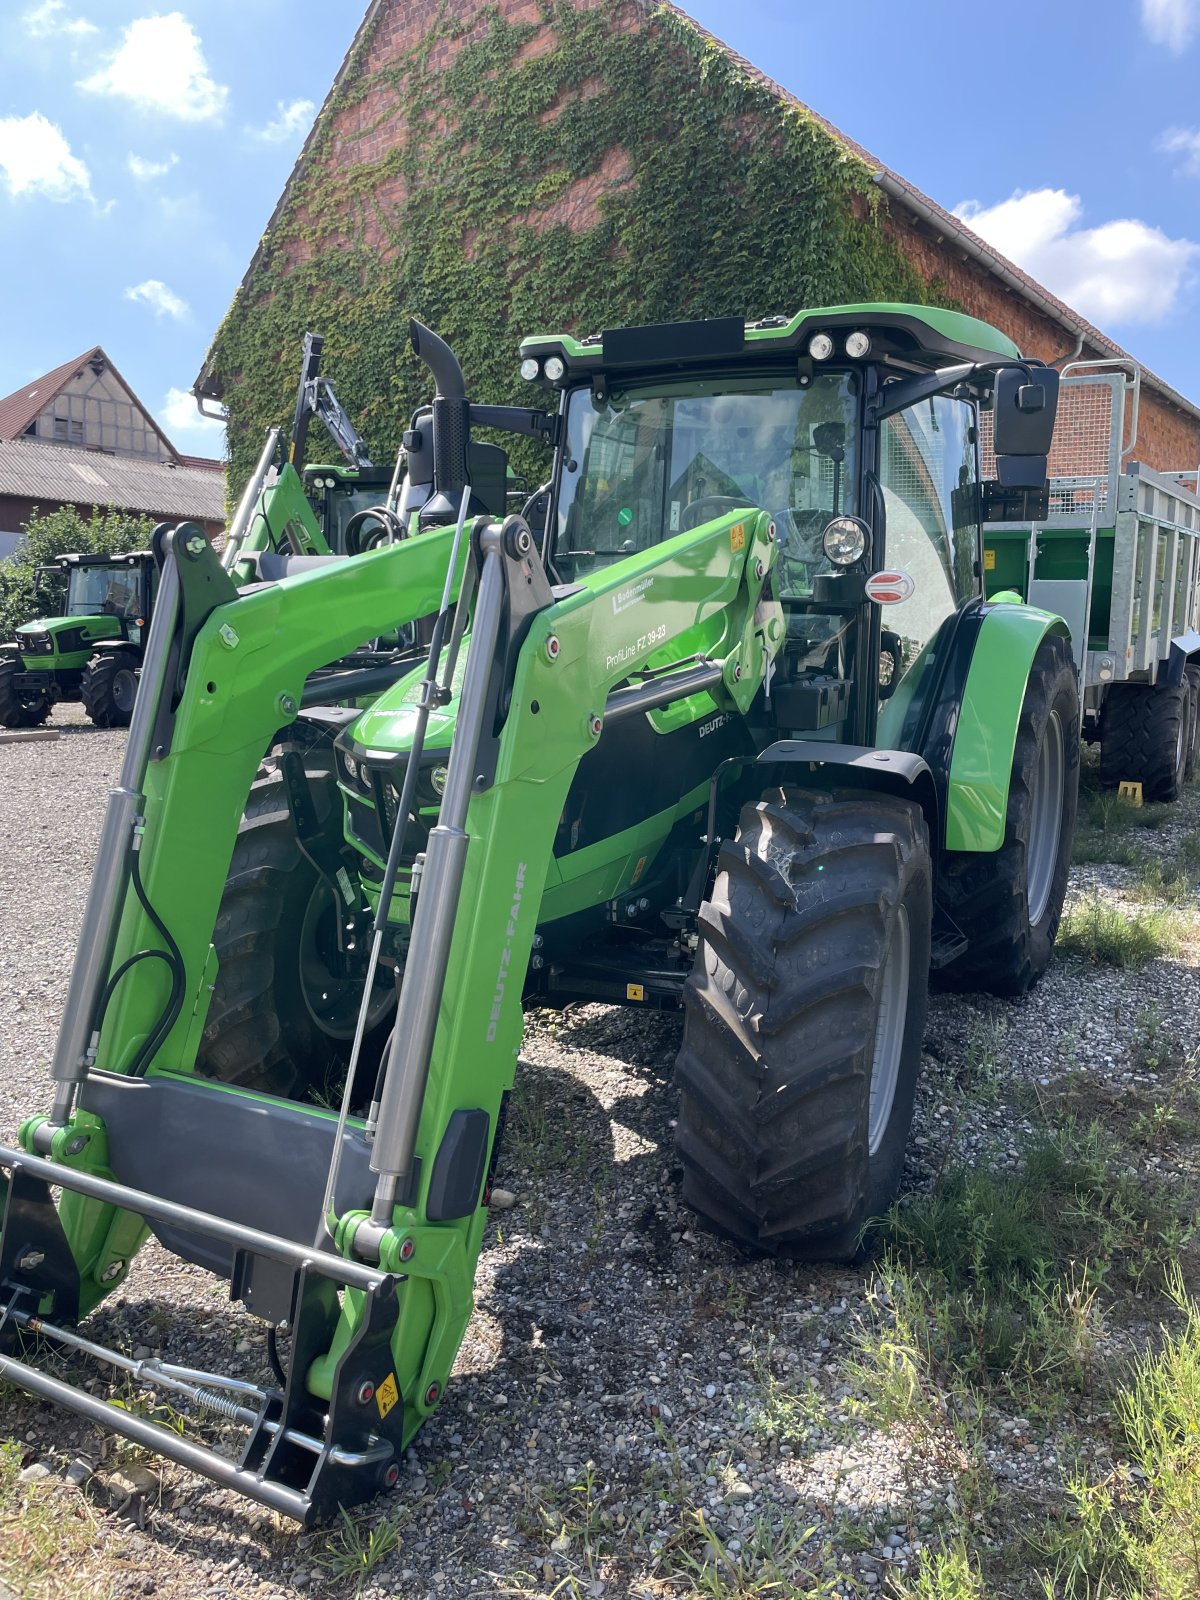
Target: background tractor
738, 733
93, 652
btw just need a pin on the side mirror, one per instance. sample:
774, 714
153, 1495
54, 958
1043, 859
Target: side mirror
1024, 405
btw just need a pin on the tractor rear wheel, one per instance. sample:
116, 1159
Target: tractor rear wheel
805, 1012
1144, 738
20, 707
285, 1003
1008, 904
108, 689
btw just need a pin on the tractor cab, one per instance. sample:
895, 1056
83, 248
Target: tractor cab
856, 430
121, 587
337, 494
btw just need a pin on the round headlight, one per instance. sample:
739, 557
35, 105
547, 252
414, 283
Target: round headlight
530, 369
555, 367
844, 541
351, 768
820, 347
438, 779
857, 345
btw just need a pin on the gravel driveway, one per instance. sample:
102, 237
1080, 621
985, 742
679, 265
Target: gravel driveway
630, 1390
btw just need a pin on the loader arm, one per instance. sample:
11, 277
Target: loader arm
554, 674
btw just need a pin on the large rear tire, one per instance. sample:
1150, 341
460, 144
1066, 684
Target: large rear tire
1144, 738
108, 689
1008, 904
20, 707
805, 1013
1192, 678
285, 1003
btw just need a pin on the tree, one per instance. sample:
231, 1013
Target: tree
23, 595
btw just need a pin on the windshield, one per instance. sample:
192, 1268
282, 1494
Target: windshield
110, 591
652, 462
345, 503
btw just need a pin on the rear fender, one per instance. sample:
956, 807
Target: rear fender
985, 737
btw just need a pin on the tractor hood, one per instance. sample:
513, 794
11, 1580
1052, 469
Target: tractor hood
59, 635
382, 736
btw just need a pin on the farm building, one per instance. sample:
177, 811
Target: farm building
519, 166
79, 436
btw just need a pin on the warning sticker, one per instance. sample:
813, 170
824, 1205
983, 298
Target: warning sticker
387, 1394
989, 561
737, 536
634, 991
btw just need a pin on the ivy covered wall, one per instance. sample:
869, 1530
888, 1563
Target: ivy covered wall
534, 165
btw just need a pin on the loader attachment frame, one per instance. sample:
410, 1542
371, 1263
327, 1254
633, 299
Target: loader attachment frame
393, 1275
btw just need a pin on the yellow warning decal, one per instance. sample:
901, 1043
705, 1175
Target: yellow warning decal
737, 536
387, 1394
634, 991
989, 561
639, 869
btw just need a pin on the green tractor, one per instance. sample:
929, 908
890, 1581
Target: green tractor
737, 733
92, 653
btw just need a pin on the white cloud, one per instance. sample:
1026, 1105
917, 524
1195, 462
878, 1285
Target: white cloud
1121, 271
179, 414
36, 159
160, 67
1171, 22
1183, 142
144, 170
48, 20
162, 301
294, 118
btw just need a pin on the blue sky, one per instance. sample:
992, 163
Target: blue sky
142, 150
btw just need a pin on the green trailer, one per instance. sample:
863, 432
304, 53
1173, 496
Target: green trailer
92, 653
1117, 556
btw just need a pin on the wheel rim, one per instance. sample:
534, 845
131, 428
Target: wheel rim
1045, 820
124, 690
332, 998
889, 1032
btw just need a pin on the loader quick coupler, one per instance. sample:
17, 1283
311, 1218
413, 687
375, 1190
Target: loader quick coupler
303, 1456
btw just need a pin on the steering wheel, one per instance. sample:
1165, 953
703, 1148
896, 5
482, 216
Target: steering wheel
707, 507
390, 529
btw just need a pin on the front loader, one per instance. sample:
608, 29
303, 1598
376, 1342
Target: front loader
738, 734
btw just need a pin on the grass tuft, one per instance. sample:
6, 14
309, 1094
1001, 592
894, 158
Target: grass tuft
1107, 936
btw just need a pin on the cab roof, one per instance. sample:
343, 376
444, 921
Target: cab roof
921, 336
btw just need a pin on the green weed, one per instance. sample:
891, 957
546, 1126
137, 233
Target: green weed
353, 1553
946, 1575
1107, 936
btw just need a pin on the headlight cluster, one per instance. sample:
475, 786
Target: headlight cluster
553, 369
363, 779
822, 345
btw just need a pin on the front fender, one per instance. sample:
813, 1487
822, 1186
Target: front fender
986, 733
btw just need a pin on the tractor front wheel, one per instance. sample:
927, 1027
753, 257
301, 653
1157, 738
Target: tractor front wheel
293, 956
1008, 904
805, 1012
108, 689
20, 707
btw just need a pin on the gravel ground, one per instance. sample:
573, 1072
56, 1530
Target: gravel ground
627, 1382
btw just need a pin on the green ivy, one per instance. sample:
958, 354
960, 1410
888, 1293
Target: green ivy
729, 201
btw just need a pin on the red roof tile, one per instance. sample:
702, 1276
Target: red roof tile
19, 409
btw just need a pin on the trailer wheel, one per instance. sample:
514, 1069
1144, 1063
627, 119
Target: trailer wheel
1144, 738
1008, 904
20, 707
108, 689
285, 1003
1192, 677
805, 1012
